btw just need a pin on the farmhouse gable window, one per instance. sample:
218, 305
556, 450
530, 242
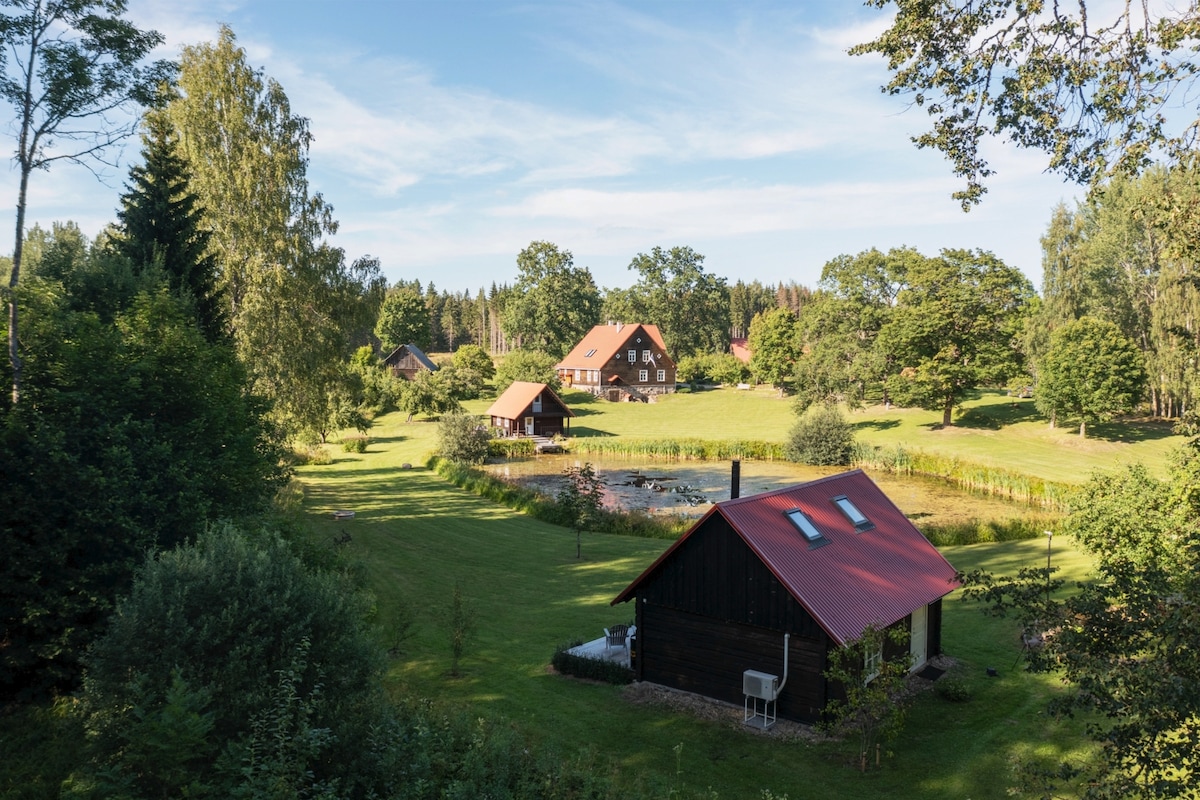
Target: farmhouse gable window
632, 356
643, 375
662, 376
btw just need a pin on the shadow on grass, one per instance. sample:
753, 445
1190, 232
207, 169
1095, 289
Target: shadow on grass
584, 432
1129, 432
876, 424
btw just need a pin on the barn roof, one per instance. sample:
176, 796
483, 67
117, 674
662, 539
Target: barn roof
416, 353
519, 396
602, 342
875, 572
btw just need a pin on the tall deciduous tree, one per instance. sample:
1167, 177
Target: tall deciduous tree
403, 319
162, 227
68, 65
689, 306
1094, 88
555, 303
294, 304
774, 346
955, 328
1091, 371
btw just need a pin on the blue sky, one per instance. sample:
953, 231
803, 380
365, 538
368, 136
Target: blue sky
450, 134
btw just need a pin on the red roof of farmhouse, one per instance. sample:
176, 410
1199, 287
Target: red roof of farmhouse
850, 577
603, 341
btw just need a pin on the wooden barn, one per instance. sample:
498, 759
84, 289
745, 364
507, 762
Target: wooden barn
530, 409
407, 360
819, 561
620, 362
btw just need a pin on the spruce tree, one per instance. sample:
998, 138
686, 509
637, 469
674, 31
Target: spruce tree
162, 226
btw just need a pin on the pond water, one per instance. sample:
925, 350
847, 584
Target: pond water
691, 487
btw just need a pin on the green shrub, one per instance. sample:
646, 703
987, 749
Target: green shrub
821, 438
511, 448
592, 669
953, 688
462, 438
240, 653
355, 444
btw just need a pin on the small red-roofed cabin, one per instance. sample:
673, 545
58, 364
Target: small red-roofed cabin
819, 561
620, 362
529, 409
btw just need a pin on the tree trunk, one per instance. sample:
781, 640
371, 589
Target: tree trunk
946, 412
1082, 429
14, 358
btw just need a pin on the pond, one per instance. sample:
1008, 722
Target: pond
690, 488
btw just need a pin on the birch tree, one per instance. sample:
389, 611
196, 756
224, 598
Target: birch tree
69, 69
293, 302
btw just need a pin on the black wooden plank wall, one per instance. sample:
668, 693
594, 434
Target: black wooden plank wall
698, 654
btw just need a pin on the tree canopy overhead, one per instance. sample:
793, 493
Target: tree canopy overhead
1101, 91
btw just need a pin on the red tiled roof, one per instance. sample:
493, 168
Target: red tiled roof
740, 349
519, 396
606, 340
855, 579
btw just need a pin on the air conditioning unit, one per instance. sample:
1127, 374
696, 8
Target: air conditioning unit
760, 684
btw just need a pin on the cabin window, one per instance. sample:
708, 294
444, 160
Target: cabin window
871, 665
857, 518
662, 376
590, 353
643, 375
632, 356
806, 527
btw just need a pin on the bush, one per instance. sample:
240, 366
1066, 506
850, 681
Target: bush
821, 438
953, 688
355, 444
527, 365
462, 438
592, 669
231, 650
511, 448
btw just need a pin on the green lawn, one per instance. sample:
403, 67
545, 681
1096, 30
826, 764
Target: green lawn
415, 536
990, 428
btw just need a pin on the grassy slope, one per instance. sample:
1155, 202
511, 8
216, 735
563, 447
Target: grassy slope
989, 429
415, 536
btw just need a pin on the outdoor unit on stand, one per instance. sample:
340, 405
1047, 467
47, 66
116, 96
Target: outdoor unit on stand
762, 690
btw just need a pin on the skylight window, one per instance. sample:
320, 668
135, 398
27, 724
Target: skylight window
806, 527
857, 518
590, 353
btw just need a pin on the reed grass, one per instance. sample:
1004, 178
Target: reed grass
987, 479
678, 449
545, 508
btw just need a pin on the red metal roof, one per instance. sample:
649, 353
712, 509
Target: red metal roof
851, 580
603, 342
519, 396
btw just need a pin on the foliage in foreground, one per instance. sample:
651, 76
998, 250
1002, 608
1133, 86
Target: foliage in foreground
871, 672
1124, 643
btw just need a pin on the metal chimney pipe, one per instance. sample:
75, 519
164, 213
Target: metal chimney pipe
735, 487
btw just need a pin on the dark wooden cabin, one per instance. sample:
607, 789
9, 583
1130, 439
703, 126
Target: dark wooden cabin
407, 360
819, 561
620, 362
530, 409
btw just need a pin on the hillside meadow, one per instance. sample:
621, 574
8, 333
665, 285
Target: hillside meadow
414, 537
